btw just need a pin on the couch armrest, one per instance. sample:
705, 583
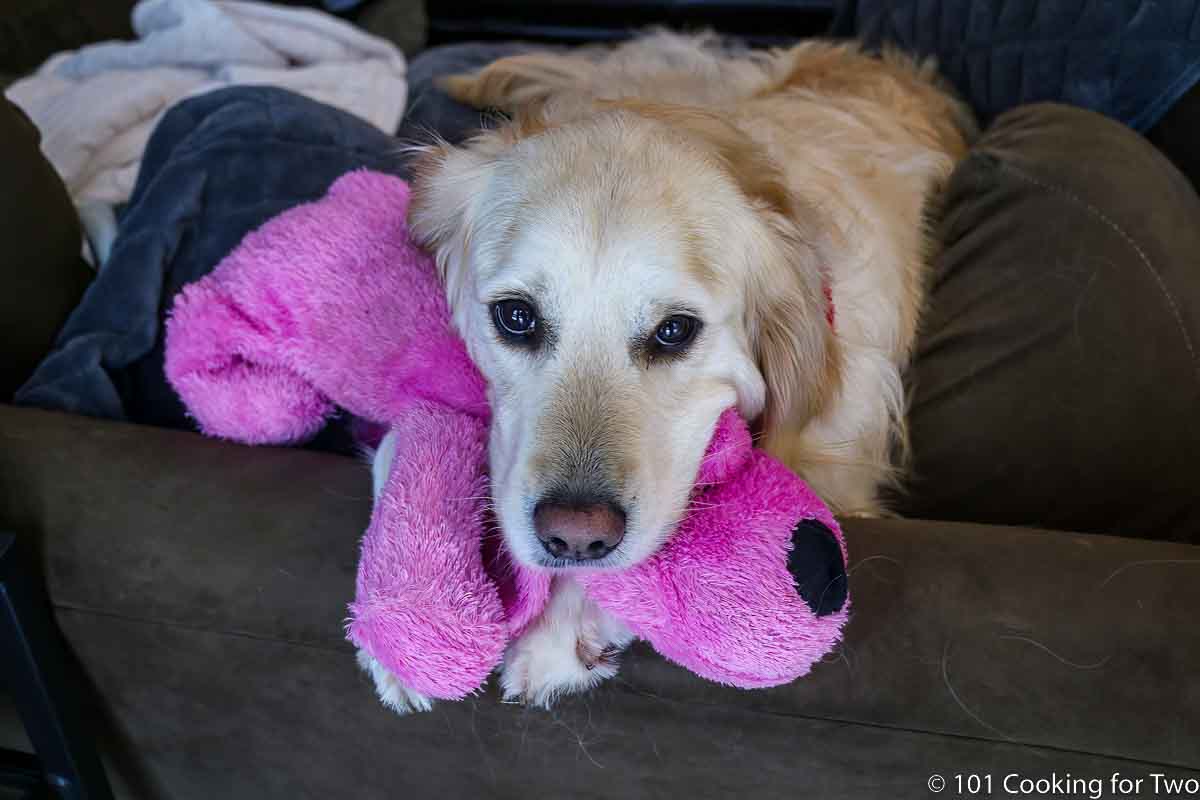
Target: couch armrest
42, 275
1057, 376
41, 677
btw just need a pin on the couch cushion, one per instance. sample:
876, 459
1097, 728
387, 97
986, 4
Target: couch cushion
1057, 380
205, 586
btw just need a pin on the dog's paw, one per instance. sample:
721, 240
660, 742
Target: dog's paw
392, 693
573, 647
547, 664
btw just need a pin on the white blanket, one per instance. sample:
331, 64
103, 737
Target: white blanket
96, 107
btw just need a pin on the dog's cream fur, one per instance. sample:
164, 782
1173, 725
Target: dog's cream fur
671, 173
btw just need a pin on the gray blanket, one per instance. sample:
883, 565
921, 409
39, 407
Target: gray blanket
1126, 59
216, 167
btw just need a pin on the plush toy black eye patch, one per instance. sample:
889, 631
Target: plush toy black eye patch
817, 566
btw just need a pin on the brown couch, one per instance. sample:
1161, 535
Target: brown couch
203, 585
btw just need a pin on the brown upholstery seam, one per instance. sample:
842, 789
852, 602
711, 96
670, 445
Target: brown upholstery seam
329, 648
966, 737
1100, 215
626, 686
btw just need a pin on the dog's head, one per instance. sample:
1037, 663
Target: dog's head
620, 280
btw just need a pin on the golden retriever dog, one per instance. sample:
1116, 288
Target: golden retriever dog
659, 232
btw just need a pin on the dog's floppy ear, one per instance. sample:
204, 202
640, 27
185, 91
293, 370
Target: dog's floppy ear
448, 185
519, 82
788, 309
446, 181
450, 196
788, 306
790, 329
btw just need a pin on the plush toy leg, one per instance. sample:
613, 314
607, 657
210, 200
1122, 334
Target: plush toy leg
425, 608
721, 598
328, 304
233, 386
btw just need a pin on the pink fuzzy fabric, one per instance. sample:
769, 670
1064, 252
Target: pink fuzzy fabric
420, 580
524, 592
330, 299
330, 305
718, 597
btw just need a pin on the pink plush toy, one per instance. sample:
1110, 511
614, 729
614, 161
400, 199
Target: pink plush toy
312, 313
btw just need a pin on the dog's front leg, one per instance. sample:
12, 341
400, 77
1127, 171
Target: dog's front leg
392, 693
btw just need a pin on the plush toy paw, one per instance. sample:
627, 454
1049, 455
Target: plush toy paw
570, 649
392, 693
816, 563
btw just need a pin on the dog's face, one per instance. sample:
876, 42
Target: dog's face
608, 277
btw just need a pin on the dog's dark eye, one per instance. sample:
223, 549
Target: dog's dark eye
514, 318
675, 333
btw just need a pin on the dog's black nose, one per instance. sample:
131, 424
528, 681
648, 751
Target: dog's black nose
817, 566
579, 531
